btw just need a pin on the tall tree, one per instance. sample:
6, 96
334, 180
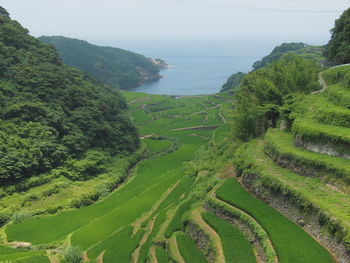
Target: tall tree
338, 48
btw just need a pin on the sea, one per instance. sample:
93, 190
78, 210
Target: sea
196, 65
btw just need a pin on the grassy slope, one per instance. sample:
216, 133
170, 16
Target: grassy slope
307, 189
236, 247
188, 249
151, 181
292, 244
125, 218
281, 144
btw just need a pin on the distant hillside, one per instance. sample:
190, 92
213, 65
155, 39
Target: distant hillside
233, 81
116, 67
50, 113
300, 49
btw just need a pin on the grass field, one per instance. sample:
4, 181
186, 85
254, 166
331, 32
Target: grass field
236, 247
144, 219
189, 250
292, 244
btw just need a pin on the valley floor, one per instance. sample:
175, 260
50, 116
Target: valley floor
176, 206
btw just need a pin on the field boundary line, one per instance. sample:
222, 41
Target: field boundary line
196, 127
211, 233
51, 257
323, 84
152, 254
99, 259
160, 236
205, 111
137, 224
174, 249
268, 240
135, 255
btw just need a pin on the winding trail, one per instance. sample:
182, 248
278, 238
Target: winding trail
323, 84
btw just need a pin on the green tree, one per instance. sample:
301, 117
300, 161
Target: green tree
338, 48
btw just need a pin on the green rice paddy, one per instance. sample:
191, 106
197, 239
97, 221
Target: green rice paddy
136, 221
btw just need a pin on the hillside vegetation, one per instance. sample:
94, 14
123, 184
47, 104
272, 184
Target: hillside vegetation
338, 48
301, 50
260, 177
306, 162
113, 66
168, 210
53, 116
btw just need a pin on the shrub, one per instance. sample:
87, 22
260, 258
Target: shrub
20, 217
72, 255
85, 200
4, 218
102, 190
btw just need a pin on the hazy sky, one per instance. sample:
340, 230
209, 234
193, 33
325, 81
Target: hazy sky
98, 19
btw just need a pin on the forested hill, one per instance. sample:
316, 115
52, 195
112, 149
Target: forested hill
50, 112
116, 67
298, 48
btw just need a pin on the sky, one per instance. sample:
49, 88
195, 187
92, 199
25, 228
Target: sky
292, 20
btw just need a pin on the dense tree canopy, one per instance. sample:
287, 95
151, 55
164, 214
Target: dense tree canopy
277, 53
338, 48
116, 67
50, 112
262, 92
233, 81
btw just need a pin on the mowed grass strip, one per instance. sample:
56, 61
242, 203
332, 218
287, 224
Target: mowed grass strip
292, 243
310, 128
14, 255
280, 144
189, 250
140, 116
308, 191
176, 223
123, 215
53, 228
33, 259
156, 146
237, 248
118, 247
145, 249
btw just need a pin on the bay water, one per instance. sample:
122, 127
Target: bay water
196, 65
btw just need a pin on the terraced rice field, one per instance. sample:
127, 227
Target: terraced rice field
158, 214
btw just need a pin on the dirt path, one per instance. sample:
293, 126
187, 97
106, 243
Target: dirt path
174, 250
152, 253
100, 257
222, 116
208, 230
323, 84
147, 136
204, 111
169, 215
200, 136
143, 99
51, 257
86, 257
135, 255
200, 127
137, 224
